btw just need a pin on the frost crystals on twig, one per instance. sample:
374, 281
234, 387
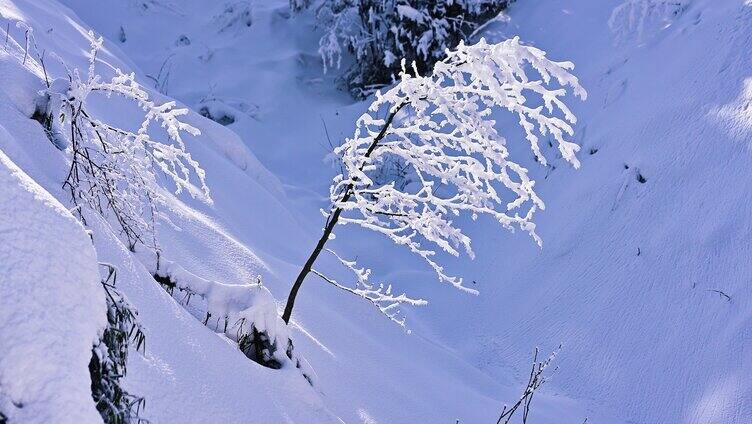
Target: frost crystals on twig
461, 165
379, 295
452, 161
115, 170
534, 382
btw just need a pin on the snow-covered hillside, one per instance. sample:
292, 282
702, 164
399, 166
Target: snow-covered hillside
640, 241
643, 277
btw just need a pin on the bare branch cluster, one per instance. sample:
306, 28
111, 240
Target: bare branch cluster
534, 382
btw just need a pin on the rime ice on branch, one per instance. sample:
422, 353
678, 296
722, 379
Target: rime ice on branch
114, 169
440, 126
380, 296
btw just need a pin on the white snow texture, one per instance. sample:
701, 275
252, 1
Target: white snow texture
643, 275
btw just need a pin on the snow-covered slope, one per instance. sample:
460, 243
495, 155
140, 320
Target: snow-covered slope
367, 368
59, 283
638, 243
641, 239
53, 305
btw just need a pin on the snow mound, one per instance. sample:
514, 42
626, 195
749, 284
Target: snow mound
52, 307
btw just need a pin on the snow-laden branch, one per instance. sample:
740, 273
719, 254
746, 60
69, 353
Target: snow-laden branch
444, 132
438, 132
171, 159
380, 295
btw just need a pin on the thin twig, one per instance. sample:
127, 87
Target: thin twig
721, 294
7, 34
534, 382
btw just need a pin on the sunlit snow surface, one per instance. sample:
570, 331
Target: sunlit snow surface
634, 242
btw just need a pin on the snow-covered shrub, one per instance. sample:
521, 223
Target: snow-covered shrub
115, 171
57, 315
245, 313
439, 125
634, 19
109, 357
378, 33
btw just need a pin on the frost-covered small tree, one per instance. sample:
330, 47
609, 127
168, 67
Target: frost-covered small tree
116, 171
123, 175
441, 127
380, 32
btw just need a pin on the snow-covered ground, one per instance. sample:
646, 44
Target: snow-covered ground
637, 242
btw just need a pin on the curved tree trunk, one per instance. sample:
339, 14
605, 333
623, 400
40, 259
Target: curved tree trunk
331, 222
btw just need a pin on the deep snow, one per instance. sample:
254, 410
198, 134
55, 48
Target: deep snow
634, 242
53, 308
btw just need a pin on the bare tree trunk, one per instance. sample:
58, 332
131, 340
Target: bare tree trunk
331, 222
